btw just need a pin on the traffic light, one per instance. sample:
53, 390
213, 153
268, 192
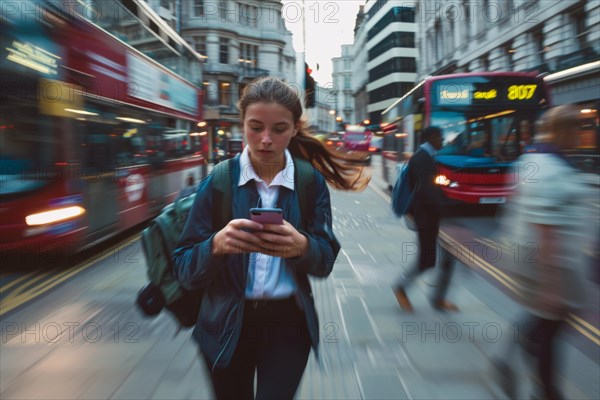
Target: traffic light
309, 87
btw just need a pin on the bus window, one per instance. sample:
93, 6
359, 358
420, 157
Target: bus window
99, 153
27, 149
176, 143
130, 143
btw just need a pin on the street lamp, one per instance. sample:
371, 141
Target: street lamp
340, 124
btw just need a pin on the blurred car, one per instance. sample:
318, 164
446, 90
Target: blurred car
335, 142
376, 144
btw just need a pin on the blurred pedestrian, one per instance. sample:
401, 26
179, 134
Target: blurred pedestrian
258, 314
426, 211
546, 218
526, 135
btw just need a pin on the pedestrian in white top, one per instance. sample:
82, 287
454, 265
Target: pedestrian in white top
547, 216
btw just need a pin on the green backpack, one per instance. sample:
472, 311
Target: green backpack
160, 238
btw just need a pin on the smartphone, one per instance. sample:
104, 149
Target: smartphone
267, 215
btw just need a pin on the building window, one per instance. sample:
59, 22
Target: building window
224, 93
439, 41
347, 84
509, 52
223, 11
428, 51
469, 22
539, 49
389, 91
248, 15
452, 30
280, 60
395, 39
249, 54
396, 64
200, 45
224, 51
168, 4
199, 8
396, 14
577, 23
485, 62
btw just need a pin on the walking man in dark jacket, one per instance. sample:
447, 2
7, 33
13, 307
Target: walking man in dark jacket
426, 212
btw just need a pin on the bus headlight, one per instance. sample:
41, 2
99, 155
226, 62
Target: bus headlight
52, 216
442, 180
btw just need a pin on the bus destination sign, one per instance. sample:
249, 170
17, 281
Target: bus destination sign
464, 94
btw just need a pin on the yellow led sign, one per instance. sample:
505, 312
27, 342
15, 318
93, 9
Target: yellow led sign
521, 92
490, 94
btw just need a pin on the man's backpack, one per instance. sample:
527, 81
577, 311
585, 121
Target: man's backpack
160, 238
402, 194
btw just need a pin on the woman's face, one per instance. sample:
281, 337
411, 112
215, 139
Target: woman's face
268, 128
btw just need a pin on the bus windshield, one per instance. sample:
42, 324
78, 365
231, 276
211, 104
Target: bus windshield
356, 137
498, 136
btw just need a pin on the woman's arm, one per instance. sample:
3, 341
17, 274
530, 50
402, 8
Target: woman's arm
201, 251
194, 264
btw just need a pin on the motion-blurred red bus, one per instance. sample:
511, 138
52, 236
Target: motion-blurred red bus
95, 137
356, 142
487, 121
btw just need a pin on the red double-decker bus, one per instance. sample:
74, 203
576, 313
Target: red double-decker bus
487, 121
356, 143
95, 137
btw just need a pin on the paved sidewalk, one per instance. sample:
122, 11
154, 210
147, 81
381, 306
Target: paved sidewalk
381, 352
370, 349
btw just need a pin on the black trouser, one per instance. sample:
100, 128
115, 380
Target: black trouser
446, 265
275, 343
427, 220
540, 342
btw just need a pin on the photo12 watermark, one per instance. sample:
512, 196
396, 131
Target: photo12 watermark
468, 331
69, 332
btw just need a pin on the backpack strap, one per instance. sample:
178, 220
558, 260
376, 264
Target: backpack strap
305, 188
222, 179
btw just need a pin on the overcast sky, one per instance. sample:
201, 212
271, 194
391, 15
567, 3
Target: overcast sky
329, 24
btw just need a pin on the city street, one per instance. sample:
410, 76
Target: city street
84, 339
114, 112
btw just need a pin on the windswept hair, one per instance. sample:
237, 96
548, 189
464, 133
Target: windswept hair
333, 166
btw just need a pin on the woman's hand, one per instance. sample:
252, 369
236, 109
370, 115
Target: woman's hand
237, 237
282, 241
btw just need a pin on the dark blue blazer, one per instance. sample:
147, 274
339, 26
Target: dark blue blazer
224, 277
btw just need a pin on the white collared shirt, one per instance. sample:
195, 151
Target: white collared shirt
268, 277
